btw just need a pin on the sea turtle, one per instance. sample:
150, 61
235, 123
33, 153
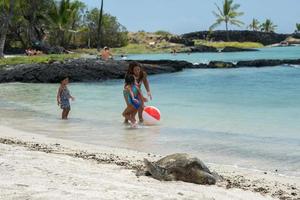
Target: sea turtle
180, 167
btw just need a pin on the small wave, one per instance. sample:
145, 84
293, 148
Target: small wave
293, 66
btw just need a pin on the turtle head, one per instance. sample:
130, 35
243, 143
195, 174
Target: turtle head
156, 171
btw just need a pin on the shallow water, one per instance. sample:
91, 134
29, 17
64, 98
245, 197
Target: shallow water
264, 53
244, 117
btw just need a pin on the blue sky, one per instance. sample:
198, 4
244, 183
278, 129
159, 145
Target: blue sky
181, 16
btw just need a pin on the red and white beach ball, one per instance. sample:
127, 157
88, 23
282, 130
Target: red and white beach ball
151, 115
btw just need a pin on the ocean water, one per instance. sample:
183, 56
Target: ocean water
243, 117
264, 53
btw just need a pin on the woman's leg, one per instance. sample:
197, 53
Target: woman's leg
140, 112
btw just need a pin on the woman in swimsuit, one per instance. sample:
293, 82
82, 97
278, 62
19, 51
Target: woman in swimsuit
63, 98
140, 77
133, 97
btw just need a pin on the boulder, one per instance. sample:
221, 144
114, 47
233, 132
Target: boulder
221, 64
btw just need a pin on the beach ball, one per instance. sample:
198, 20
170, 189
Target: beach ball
151, 115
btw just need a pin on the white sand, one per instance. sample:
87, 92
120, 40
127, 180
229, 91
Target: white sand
28, 174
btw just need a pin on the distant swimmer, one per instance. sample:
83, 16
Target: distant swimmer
123, 57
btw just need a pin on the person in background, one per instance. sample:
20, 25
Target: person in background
63, 98
106, 54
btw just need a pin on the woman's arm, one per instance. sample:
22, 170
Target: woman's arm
141, 96
147, 85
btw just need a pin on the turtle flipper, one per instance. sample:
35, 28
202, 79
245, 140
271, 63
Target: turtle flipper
156, 171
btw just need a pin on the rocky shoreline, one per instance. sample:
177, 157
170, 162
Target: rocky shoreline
90, 70
239, 36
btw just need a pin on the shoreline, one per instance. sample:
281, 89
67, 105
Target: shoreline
247, 182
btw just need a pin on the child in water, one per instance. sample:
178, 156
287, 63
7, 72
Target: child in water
63, 98
133, 96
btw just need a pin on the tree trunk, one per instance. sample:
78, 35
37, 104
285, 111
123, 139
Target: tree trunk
99, 43
3, 32
227, 33
4, 29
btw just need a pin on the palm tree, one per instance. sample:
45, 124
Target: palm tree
297, 28
268, 26
254, 25
99, 43
6, 14
63, 17
227, 15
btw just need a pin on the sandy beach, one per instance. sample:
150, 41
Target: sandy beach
37, 167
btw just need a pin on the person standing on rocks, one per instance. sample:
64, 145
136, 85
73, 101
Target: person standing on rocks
140, 77
63, 98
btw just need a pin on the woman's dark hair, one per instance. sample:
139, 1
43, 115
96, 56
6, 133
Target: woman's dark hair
129, 79
131, 67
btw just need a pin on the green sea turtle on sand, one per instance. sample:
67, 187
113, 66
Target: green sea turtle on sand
180, 167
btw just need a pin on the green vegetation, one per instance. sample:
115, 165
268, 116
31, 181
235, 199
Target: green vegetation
227, 15
6, 14
37, 59
268, 26
41, 24
163, 33
229, 44
297, 28
254, 25
48, 25
144, 49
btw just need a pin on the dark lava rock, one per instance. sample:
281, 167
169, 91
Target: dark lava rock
221, 64
82, 70
203, 48
259, 63
180, 40
176, 64
267, 63
236, 49
239, 36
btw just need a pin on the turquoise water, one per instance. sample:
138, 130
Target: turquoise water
243, 117
264, 53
